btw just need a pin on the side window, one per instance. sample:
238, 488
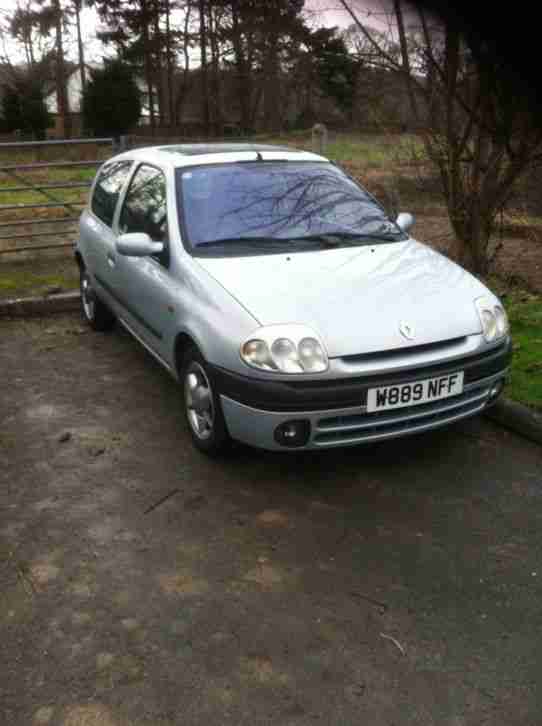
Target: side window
145, 208
111, 178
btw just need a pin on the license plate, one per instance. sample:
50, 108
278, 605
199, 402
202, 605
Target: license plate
413, 394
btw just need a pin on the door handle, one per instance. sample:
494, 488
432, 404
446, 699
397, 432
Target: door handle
111, 260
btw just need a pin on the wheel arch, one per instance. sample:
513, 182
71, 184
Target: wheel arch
183, 342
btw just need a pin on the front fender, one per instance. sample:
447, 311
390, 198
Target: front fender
212, 319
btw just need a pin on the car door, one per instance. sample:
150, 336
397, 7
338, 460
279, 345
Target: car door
147, 282
99, 238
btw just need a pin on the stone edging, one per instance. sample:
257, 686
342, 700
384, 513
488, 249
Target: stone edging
30, 306
517, 417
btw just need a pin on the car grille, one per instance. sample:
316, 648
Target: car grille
334, 430
404, 352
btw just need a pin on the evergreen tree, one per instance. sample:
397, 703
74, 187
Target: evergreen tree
24, 109
111, 102
335, 69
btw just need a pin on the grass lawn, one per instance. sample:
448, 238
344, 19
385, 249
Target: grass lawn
36, 277
366, 151
525, 314
46, 176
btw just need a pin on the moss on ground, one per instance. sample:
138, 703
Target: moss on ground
33, 278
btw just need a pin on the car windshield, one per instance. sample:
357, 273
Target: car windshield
264, 207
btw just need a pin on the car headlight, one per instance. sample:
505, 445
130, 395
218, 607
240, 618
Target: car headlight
285, 349
493, 319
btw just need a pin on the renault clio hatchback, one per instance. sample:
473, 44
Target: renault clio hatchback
293, 311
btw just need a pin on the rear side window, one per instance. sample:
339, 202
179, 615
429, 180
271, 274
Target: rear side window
111, 178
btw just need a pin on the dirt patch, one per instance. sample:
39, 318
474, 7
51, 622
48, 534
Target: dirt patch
81, 589
182, 583
129, 624
43, 715
104, 660
92, 715
81, 618
261, 670
274, 518
266, 575
45, 569
521, 261
43, 572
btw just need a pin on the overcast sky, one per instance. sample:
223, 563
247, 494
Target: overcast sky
319, 12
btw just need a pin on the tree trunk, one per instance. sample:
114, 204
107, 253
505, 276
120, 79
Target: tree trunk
182, 91
157, 47
473, 227
217, 119
272, 105
63, 107
405, 58
80, 48
147, 63
244, 86
169, 65
204, 69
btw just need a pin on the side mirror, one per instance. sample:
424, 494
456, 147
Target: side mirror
405, 220
137, 244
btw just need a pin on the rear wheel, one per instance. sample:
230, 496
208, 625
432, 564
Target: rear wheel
202, 407
94, 311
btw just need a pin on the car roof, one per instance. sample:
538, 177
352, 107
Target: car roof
179, 155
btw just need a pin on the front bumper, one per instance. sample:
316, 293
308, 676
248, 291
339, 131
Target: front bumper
336, 410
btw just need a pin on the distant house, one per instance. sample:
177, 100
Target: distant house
73, 92
74, 88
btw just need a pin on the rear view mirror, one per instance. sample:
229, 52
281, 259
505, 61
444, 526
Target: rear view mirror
405, 220
137, 244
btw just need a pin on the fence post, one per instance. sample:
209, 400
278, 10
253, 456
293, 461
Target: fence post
319, 138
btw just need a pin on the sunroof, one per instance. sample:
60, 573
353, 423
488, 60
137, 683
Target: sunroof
199, 149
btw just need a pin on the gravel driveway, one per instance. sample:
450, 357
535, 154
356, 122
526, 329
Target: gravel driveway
143, 584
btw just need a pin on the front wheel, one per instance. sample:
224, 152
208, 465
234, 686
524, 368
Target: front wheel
202, 407
94, 311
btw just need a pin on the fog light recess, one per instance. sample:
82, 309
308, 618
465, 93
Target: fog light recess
293, 433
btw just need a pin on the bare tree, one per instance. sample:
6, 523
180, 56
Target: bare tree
183, 86
203, 42
60, 71
479, 134
77, 5
30, 25
169, 64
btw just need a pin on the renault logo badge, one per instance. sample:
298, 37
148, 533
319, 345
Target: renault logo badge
406, 330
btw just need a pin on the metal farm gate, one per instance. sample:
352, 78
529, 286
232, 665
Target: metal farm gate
43, 199
44, 185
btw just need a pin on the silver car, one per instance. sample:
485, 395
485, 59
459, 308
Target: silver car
292, 310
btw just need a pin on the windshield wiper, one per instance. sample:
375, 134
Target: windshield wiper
242, 240
338, 239
319, 239
331, 240
326, 240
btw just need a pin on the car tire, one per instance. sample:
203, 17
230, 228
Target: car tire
94, 311
201, 405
